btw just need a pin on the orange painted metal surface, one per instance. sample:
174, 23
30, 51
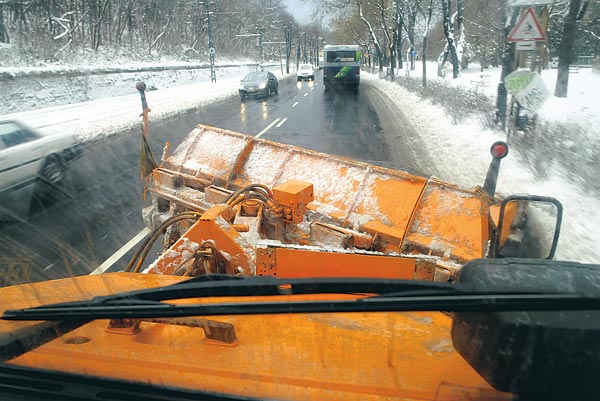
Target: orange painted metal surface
388, 211
449, 222
210, 227
293, 196
358, 356
297, 263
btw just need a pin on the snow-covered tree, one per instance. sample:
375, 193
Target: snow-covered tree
428, 15
576, 12
452, 50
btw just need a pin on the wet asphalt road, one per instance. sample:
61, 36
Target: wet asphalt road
99, 207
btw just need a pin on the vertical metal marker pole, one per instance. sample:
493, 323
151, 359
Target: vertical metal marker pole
211, 49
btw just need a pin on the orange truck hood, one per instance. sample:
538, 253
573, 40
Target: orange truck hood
362, 356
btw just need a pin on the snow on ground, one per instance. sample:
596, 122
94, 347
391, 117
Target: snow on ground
459, 150
582, 103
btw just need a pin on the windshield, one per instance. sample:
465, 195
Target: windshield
145, 144
256, 76
341, 55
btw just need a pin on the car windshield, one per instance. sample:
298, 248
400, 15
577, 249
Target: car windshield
256, 76
298, 200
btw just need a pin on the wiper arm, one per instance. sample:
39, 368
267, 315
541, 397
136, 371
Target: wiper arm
237, 286
376, 296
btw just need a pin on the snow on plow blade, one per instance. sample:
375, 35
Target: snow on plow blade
381, 210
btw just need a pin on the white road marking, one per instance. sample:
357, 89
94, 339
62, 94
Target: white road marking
281, 122
306, 94
124, 249
268, 128
295, 104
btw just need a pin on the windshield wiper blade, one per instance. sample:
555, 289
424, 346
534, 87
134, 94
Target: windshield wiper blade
448, 303
375, 295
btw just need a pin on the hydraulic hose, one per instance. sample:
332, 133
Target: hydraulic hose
144, 249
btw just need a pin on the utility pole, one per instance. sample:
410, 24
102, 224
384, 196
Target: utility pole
211, 49
260, 46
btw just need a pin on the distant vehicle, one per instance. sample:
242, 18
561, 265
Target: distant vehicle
554, 62
341, 65
31, 161
306, 71
259, 83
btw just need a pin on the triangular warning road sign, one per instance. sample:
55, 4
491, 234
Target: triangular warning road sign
528, 28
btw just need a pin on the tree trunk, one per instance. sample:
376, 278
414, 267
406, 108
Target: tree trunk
4, 38
399, 44
297, 51
507, 64
288, 47
565, 52
372, 35
424, 51
442, 60
449, 32
461, 43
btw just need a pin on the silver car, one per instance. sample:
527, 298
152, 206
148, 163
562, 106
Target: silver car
31, 161
306, 71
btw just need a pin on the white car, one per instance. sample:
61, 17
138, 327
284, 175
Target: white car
31, 161
306, 71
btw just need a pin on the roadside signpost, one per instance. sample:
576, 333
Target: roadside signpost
525, 46
527, 29
529, 35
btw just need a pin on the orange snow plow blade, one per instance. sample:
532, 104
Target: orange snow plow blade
382, 210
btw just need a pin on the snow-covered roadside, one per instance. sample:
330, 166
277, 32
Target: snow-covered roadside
581, 105
104, 117
461, 152
37, 88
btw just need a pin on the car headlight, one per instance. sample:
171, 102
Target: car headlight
262, 86
242, 88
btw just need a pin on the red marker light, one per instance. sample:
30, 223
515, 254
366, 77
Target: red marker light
499, 149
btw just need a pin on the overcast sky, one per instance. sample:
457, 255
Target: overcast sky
300, 9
